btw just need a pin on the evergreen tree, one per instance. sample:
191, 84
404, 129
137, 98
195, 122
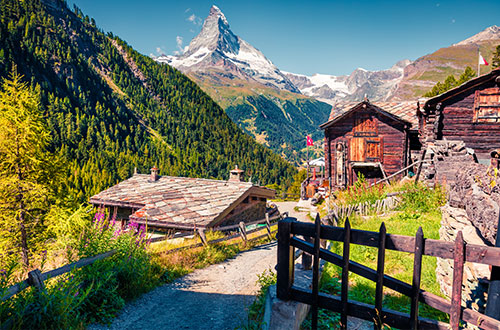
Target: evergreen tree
451, 82
495, 61
26, 170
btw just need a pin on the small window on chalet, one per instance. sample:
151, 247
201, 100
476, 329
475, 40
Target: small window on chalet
365, 125
254, 198
262, 199
245, 201
487, 105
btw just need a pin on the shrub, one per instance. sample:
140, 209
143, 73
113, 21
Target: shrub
420, 198
361, 192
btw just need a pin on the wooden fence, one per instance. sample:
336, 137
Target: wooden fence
232, 232
366, 208
36, 278
459, 251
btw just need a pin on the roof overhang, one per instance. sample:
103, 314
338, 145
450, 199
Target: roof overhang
360, 106
494, 75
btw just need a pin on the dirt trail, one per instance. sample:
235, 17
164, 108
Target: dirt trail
216, 297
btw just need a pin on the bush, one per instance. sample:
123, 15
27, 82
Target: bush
361, 192
420, 198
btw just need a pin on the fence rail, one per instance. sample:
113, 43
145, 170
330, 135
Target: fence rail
238, 230
459, 251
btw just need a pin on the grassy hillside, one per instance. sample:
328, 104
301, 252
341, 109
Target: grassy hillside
276, 118
111, 109
427, 70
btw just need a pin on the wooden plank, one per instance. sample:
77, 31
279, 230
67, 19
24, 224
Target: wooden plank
76, 265
419, 170
389, 282
379, 287
364, 311
482, 254
417, 271
285, 265
201, 233
268, 226
243, 232
345, 274
456, 291
315, 283
35, 279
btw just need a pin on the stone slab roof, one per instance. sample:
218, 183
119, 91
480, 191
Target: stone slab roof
406, 110
178, 202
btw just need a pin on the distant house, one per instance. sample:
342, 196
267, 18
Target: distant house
372, 139
470, 113
179, 203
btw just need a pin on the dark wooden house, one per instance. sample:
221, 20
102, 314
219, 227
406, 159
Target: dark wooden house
366, 139
470, 113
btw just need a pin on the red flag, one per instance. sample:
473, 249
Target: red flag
482, 61
309, 141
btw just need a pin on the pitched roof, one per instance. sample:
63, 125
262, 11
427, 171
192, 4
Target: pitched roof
471, 84
403, 111
178, 202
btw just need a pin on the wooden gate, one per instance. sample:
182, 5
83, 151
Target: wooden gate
460, 252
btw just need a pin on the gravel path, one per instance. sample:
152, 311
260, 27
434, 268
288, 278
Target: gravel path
215, 297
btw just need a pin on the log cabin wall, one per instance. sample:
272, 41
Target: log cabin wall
471, 115
365, 135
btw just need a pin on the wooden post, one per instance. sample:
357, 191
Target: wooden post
345, 274
243, 232
285, 266
306, 257
456, 291
420, 166
379, 288
35, 279
417, 270
268, 226
315, 284
493, 303
201, 232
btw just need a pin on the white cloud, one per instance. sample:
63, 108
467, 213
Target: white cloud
194, 19
180, 48
187, 10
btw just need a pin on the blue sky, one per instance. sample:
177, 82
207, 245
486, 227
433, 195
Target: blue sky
331, 37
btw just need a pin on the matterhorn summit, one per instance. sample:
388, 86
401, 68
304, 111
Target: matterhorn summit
216, 50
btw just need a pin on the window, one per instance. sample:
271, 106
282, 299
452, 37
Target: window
487, 105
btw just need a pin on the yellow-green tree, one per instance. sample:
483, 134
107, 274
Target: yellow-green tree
26, 168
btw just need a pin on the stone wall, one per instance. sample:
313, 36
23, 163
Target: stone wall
246, 212
477, 191
476, 276
443, 160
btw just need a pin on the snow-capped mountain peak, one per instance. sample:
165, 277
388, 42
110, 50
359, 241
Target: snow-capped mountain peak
217, 47
490, 33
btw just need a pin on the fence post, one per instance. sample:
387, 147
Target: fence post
35, 279
268, 225
286, 260
493, 303
379, 288
456, 290
243, 232
345, 275
315, 284
201, 232
417, 271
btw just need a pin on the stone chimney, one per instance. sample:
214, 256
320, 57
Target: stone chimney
236, 175
154, 174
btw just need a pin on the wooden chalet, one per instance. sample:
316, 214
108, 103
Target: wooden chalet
470, 113
373, 139
184, 204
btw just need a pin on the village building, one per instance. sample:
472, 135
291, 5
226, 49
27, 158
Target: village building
469, 113
184, 204
369, 139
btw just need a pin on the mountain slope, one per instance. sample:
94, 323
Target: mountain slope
376, 85
421, 75
254, 92
111, 109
